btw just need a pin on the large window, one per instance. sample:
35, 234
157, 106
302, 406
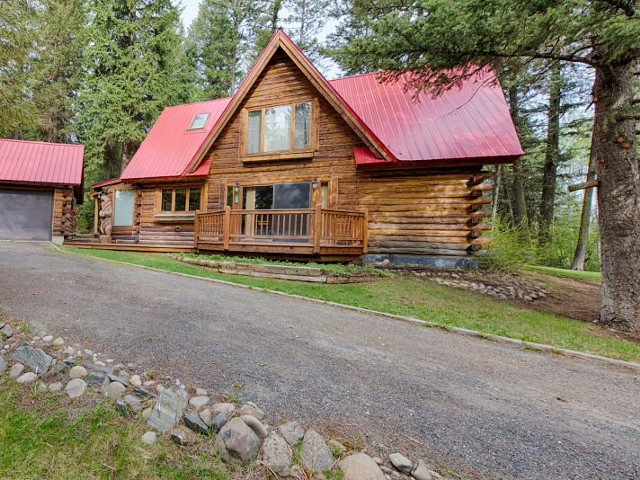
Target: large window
181, 199
123, 208
279, 196
281, 128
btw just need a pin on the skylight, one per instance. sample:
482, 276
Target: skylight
199, 121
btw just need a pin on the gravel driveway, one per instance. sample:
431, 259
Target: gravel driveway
486, 409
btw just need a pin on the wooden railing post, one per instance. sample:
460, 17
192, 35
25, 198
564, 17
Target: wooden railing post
317, 229
196, 230
227, 226
365, 230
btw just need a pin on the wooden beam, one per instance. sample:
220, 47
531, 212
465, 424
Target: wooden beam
583, 185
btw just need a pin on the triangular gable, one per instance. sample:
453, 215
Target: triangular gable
281, 40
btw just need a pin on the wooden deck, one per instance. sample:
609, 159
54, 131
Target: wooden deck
317, 232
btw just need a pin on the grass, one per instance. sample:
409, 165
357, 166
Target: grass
561, 272
405, 295
42, 437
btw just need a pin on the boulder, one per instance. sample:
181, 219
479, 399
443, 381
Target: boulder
238, 440
252, 409
195, 423
115, 390
28, 377
401, 463
6, 331
255, 425
133, 402
182, 436
149, 438
421, 471
277, 455
55, 387
219, 421
16, 370
206, 416
167, 410
75, 388
199, 402
77, 372
292, 432
227, 408
315, 453
360, 467
135, 381
34, 359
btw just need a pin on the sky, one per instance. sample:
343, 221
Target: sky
189, 12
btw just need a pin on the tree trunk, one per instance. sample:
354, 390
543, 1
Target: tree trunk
519, 199
128, 150
552, 155
618, 197
580, 254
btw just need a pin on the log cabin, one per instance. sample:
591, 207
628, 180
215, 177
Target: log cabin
40, 185
293, 165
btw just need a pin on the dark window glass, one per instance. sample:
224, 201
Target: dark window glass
264, 197
292, 195
230, 196
194, 199
181, 200
166, 199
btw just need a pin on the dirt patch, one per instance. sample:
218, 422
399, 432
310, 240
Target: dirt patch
568, 297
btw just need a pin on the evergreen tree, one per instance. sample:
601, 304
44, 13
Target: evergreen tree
306, 19
132, 72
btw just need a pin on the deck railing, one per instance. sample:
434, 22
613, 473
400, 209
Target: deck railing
317, 227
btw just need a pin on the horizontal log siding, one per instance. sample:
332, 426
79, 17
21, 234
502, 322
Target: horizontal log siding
151, 232
64, 215
410, 211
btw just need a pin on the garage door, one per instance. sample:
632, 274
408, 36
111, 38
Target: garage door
25, 214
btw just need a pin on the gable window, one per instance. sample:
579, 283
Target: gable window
181, 199
280, 128
198, 121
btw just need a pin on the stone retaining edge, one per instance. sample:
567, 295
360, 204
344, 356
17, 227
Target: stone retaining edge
425, 323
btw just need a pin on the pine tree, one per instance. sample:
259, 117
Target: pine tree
306, 19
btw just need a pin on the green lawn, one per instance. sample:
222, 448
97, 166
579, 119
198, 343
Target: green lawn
406, 295
561, 272
41, 436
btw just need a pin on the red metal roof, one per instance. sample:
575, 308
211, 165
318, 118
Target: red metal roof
40, 162
469, 122
472, 121
104, 183
169, 146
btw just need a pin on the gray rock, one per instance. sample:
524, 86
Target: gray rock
401, 463
78, 372
34, 359
420, 471
6, 331
199, 402
124, 374
122, 407
55, 387
115, 390
255, 425
16, 370
315, 453
59, 368
3, 365
219, 421
182, 436
149, 438
250, 408
119, 379
167, 411
227, 408
69, 361
95, 378
135, 381
201, 392
292, 432
277, 455
96, 368
133, 402
239, 441
69, 350
75, 388
360, 467
28, 377
48, 339
206, 416
143, 393
195, 423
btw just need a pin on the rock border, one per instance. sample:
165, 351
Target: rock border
240, 432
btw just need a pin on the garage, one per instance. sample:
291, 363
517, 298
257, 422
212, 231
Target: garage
25, 214
40, 186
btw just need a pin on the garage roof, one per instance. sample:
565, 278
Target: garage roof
40, 162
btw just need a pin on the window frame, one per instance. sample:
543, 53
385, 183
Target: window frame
291, 153
160, 202
193, 120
